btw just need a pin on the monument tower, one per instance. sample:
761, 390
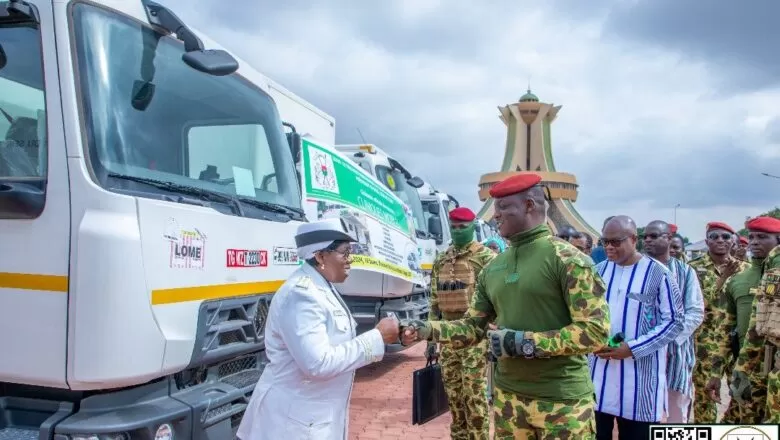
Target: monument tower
529, 148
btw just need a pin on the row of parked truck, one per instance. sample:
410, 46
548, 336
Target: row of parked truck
150, 187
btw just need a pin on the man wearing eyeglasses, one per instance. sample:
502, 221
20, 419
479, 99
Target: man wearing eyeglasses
657, 240
646, 307
712, 269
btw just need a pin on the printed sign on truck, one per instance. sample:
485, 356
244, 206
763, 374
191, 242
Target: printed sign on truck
380, 221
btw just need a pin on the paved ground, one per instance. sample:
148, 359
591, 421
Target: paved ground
382, 401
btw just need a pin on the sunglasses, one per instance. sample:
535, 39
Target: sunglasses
614, 242
714, 236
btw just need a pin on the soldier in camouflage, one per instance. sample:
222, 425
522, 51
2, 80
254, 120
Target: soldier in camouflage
549, 305
453, 279
755, 384
732, 318
712, 269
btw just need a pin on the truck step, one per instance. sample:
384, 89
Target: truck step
229, 326
18, 434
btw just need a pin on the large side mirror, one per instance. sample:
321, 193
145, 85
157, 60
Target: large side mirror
215, 62
294, 140
434, 227
415, 182
434, 208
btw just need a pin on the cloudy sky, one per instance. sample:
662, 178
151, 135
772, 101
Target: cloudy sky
664, 101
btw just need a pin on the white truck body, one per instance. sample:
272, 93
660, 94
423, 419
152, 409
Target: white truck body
142, 238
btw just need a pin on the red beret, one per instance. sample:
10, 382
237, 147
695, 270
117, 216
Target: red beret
719, 225
743, 240
770, 225
514, 184
462, 214
672, 228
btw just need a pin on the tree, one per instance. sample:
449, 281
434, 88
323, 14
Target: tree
773, 213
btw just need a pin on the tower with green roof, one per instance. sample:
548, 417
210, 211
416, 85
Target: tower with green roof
529, 148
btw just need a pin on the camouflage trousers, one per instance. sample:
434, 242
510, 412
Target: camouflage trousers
705, 410
464, 375
526, 419
748, 413
773, 398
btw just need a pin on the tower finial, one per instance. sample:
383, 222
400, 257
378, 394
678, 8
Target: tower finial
529, 83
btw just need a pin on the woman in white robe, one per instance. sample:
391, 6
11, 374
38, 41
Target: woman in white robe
310, 342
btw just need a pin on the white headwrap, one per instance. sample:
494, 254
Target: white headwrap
316, 236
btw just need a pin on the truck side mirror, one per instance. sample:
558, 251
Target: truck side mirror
415, 182
434, 227
433, 208
294, 140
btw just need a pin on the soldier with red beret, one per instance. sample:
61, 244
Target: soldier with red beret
758, 364
453, 280
550, 308
712, 269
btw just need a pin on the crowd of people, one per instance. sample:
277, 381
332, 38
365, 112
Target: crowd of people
561, 339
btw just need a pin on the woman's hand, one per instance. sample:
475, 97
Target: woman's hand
388, 327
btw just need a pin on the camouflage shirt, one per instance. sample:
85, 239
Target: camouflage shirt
736, 303
545, 286
752, 350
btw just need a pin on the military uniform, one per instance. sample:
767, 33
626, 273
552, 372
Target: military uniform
453, 279
731, 319
546, 289
708, 337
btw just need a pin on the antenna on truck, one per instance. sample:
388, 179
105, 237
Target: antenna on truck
361, 135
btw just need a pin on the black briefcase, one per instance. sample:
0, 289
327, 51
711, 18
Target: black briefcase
429, 399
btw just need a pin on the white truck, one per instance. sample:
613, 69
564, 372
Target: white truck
148, 204
393, 176
436, 207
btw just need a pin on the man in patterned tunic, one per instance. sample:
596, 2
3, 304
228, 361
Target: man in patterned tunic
681, 354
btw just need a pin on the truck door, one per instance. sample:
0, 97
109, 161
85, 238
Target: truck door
34, 201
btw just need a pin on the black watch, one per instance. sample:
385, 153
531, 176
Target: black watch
528, 347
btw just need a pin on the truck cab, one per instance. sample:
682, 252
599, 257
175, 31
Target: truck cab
141, 236
436, 207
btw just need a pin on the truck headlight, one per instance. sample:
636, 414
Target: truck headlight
164, 432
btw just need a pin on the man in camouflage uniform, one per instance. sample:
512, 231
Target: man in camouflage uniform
758, 366
732, 318
548, 303
453, 279
712, 269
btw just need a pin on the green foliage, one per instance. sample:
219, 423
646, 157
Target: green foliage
773, 213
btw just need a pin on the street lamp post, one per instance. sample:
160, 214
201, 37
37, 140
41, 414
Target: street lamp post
675, 213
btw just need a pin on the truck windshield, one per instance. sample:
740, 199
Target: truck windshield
395, 181
150, 118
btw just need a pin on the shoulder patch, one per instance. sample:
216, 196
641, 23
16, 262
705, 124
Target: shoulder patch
304, 282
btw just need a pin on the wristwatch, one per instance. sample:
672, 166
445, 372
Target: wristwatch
528, 347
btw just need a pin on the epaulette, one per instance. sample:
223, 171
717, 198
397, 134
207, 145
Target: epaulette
304, 282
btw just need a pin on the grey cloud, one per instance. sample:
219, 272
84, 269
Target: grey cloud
737, 40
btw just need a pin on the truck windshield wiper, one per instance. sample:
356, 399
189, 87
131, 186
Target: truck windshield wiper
293, 213
185, 189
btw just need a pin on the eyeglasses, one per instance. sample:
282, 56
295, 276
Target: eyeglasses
346, 253
714, 236
614, 242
